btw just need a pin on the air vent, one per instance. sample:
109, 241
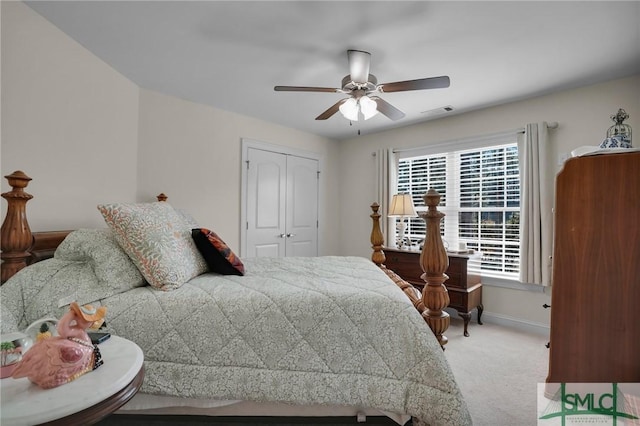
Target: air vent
438, 111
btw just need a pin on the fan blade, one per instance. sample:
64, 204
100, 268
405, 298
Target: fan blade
305, 89
387, 109
332, 110
420, 84
359, 62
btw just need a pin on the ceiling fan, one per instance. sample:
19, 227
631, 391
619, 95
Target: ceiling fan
362, 88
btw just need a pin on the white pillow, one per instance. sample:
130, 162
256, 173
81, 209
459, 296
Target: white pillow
99, 248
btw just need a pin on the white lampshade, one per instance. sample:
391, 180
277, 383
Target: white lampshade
402, 205
349, 109
368, 107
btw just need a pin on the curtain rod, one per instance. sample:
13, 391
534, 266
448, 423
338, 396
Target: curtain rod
488, 137
552, 125
454, 143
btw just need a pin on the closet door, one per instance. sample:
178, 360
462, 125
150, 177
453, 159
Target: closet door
281, 205
266, 203
302, 207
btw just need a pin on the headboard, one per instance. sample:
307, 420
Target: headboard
21, 247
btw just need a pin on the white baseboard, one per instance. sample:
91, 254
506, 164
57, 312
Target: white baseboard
507, 321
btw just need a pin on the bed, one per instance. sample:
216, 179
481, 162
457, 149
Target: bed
290, 335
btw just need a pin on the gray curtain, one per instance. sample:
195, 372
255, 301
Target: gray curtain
536, 203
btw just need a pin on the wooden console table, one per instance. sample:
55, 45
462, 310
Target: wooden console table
465, 289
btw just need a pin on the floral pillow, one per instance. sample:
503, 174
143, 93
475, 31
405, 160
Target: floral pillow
158, 241
99, 247
219, 256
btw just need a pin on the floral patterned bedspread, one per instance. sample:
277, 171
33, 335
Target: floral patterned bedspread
326, 330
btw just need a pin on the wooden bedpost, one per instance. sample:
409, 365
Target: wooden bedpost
378, 257
377, 239
161, 197
16, 237
434, 262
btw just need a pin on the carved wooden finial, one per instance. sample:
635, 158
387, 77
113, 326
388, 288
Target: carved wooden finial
434, 262
377, 239
162, 197
15, 235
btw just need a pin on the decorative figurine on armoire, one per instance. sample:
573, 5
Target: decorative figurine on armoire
618, 135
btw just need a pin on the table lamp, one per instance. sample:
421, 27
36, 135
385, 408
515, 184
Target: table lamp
402, 206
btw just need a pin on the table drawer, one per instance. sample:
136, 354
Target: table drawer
455, 280
465, 300
403, 257
456, 265
458, 300
407, 265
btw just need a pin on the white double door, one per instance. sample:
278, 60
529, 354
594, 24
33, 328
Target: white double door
281, 205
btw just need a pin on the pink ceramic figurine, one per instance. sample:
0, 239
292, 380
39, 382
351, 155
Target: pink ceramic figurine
60, 359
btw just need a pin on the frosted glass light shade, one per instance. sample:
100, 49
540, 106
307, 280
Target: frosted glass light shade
368, 107
349, 109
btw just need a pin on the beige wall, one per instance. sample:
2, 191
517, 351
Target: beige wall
583, 118
68, 120
192, 152
87, 135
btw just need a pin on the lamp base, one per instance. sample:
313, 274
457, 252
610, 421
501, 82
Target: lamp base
401, 227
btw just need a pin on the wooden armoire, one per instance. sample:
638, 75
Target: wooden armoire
595, 296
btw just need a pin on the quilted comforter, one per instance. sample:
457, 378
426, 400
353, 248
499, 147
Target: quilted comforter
327, 330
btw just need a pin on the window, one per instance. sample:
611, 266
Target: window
480, 189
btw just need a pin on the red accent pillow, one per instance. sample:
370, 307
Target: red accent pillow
216, 253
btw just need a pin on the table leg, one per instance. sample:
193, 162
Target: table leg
466, 316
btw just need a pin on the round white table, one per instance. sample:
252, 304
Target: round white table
86, 400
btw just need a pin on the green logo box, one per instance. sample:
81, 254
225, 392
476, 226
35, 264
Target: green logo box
603, 404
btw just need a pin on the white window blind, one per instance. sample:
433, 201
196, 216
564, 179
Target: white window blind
480, 189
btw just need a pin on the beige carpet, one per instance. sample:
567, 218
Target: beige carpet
498, 369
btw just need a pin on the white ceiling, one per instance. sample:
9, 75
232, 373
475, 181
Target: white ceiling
231, 54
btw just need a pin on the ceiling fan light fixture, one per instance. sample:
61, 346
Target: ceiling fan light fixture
368, 106
362, 89
349, 109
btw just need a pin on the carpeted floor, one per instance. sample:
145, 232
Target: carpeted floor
498, 370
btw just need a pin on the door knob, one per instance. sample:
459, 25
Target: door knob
281, 236
290, 235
